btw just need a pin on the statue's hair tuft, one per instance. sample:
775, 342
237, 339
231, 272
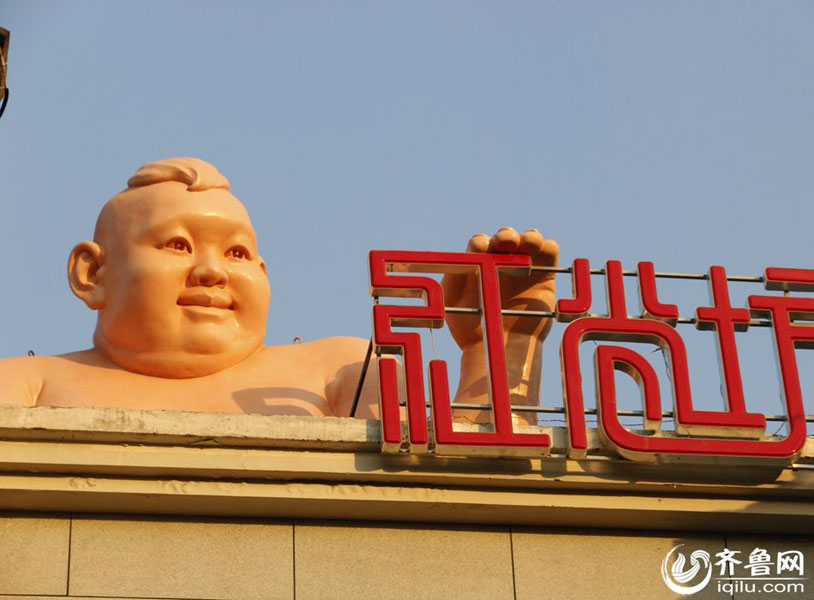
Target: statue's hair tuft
197, 174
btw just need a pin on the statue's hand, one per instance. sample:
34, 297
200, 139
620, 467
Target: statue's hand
535, 292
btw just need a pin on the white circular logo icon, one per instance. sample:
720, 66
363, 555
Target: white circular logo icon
679, 580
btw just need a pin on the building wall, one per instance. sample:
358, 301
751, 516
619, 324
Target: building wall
112, 556
140, 504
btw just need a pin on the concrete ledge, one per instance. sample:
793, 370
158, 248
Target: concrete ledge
157, 462
405, 503
596, 475
186, 428
160, 427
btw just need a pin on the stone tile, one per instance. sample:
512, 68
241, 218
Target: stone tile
172, 558
34, 554
582, 566
742, 589
370, 560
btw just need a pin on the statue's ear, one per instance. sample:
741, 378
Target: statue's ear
84, 265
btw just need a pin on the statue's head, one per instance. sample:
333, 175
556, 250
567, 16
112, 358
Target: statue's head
174, 273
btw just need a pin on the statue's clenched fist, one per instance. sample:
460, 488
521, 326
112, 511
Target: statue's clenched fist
534, 292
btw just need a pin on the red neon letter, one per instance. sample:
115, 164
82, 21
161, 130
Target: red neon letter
569, 309
406, 343
617, 327
725, 320
788, 336
651, 307
384, 316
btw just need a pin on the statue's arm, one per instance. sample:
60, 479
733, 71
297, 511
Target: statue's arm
524, 355
21, 381
523, 336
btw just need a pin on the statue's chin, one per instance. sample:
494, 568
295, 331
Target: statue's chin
174, 365
169, 368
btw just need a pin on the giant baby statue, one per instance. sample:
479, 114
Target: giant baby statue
182, 295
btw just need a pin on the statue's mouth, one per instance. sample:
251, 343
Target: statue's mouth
206, 299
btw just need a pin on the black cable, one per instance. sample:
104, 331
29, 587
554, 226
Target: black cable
5, 101
361, 379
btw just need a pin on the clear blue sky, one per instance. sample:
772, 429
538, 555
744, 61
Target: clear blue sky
681, 133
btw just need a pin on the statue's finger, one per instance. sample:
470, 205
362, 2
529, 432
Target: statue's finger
549, 255
478, 243
531, 242
506, 240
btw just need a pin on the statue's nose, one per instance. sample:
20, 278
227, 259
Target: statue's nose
208, 271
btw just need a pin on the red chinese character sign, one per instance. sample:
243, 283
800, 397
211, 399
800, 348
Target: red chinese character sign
409, 345
732, 432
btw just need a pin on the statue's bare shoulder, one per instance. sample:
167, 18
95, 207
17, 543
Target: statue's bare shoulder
314, 378
21, 379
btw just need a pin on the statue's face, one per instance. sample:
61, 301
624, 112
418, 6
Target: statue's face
185, 292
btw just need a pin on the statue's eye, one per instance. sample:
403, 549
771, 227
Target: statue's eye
238, 252
179, 244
